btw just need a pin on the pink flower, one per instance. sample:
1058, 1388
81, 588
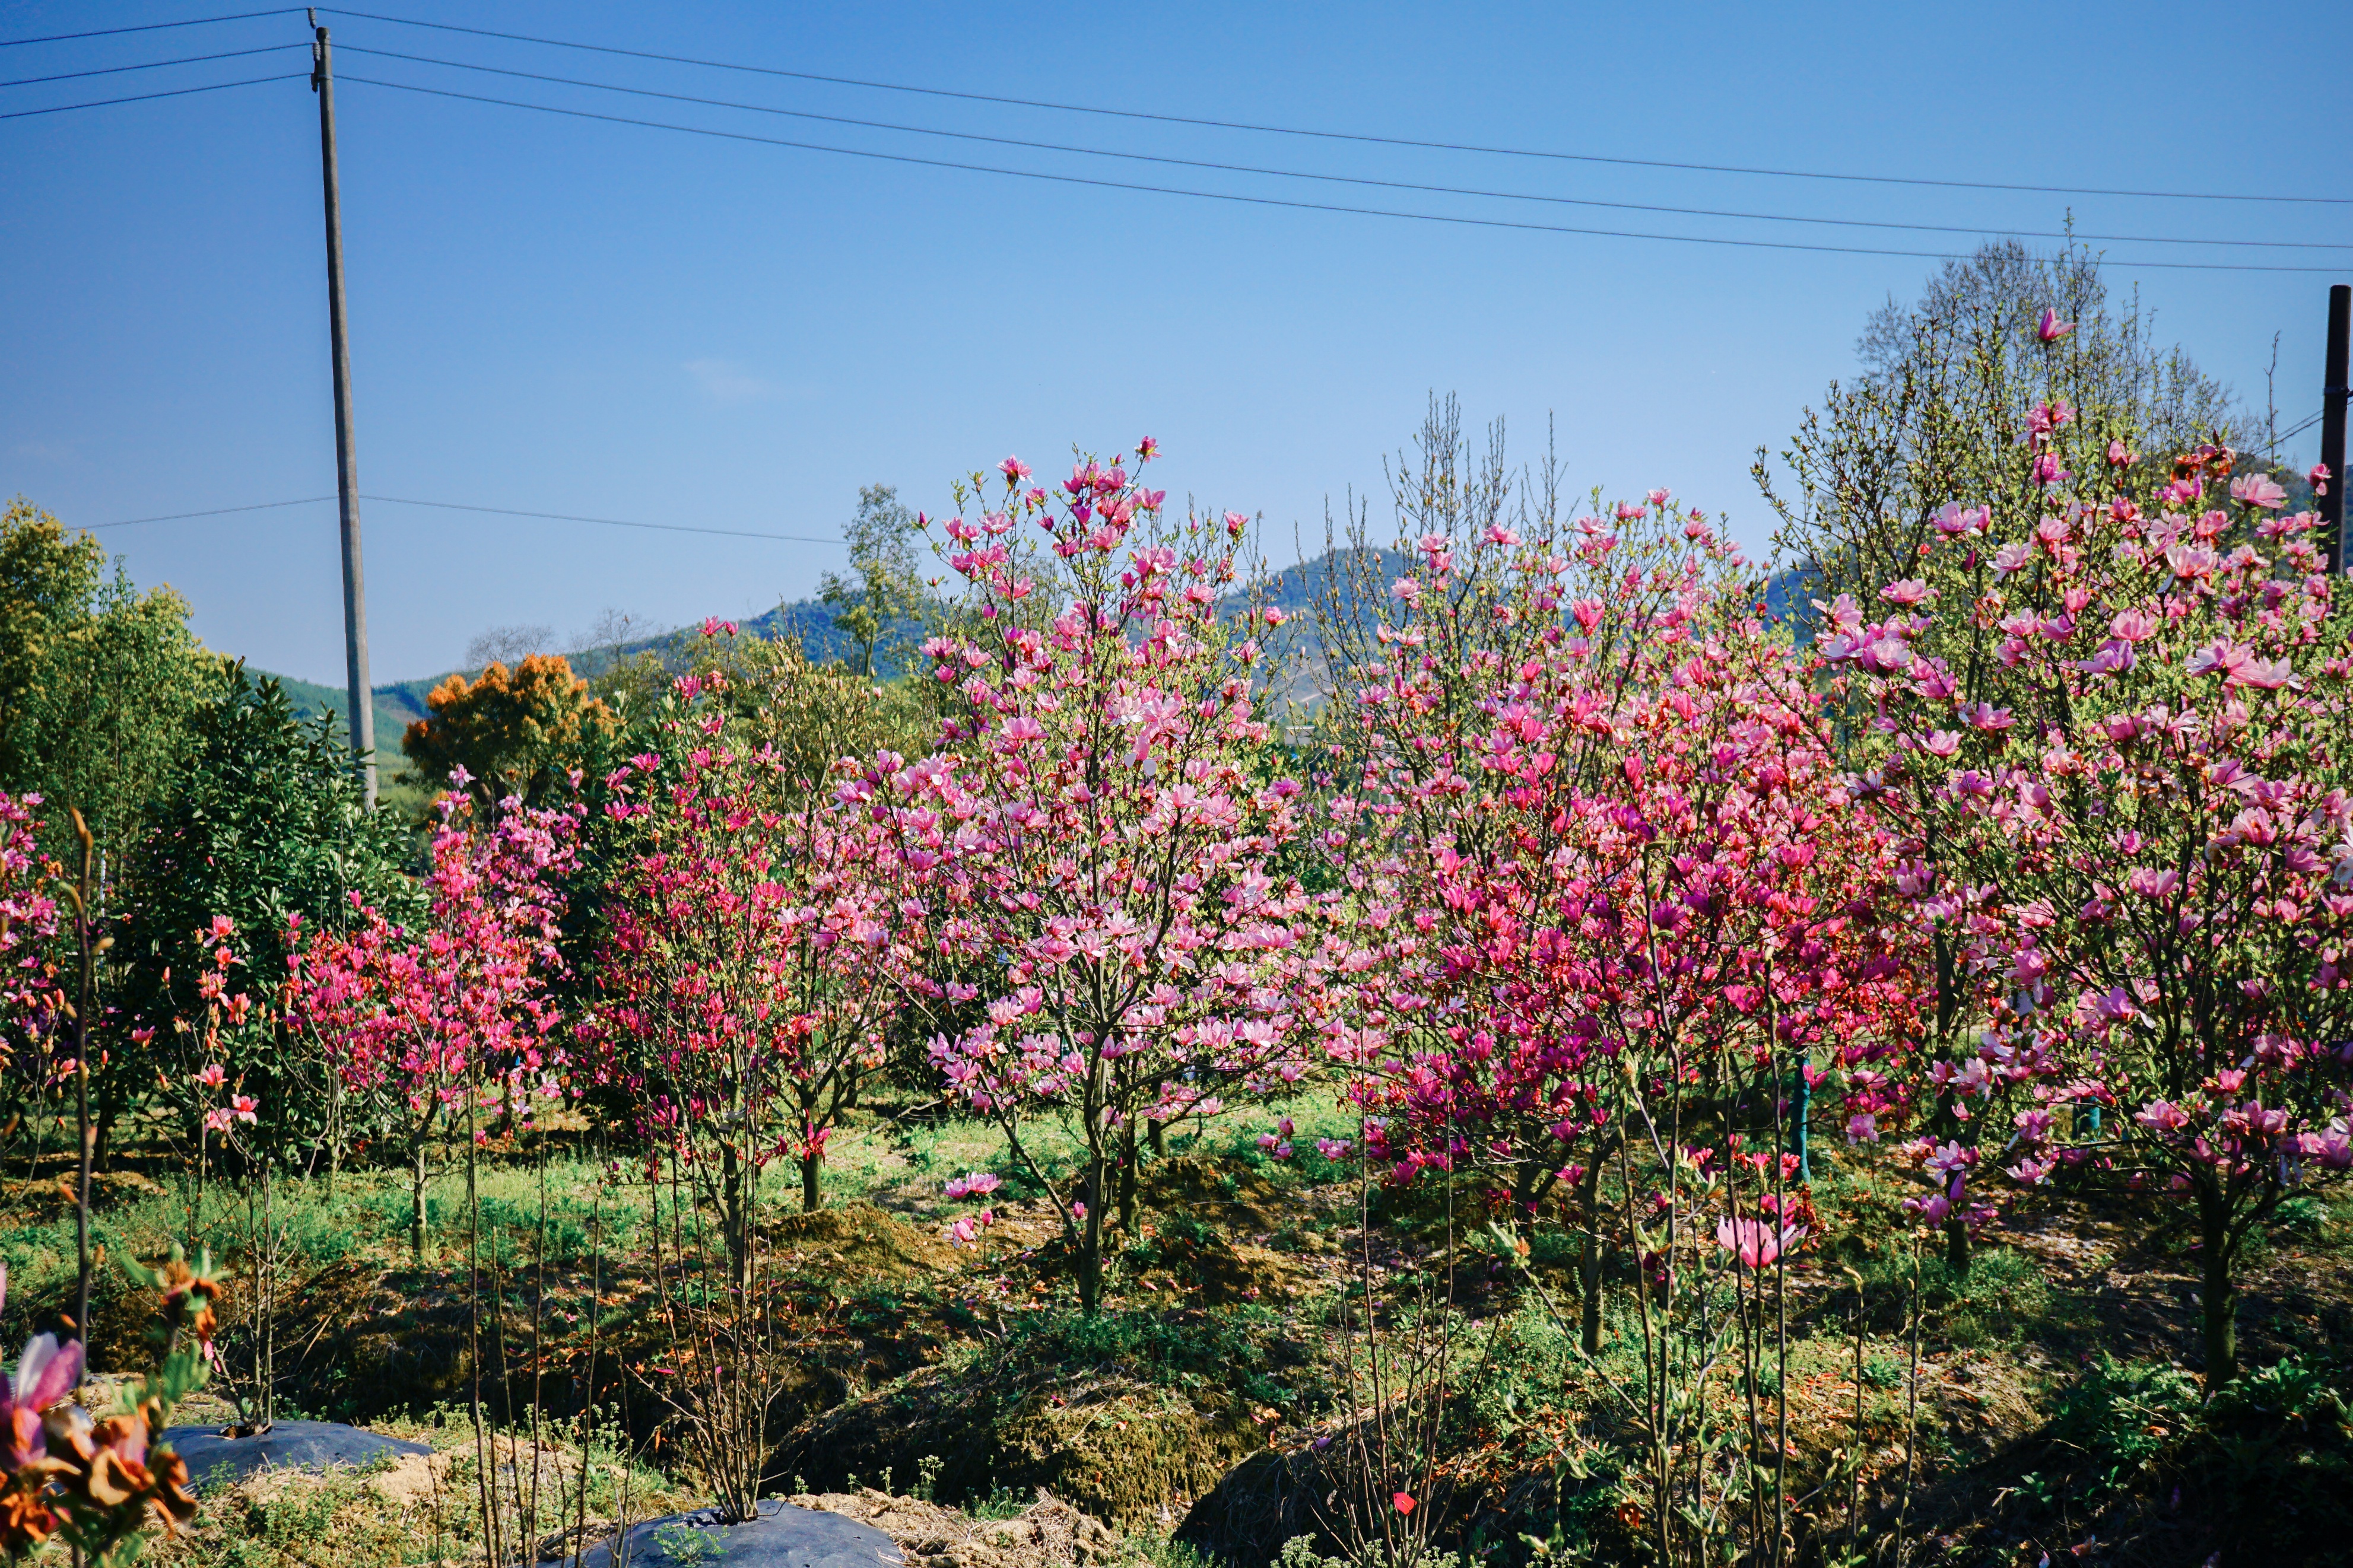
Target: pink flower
212, 1077
1755, 1242
1931, 1207
2051, 329
2120, 456
1911, 591
46, 1375
1953, 518
2258, 489
714, 627
1862, 1128
2318, 478
1015, 470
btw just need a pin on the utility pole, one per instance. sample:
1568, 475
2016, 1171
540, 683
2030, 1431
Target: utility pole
347, 472
2332, 426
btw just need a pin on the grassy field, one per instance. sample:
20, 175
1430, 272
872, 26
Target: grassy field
2051, 1404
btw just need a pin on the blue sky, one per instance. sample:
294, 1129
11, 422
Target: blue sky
558, 315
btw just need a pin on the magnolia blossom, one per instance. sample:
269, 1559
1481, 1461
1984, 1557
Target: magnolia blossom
2258, 490
1757, 1243
2051, 329
973, 1183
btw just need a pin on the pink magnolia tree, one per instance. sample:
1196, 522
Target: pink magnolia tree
422, 1025
1621, 901
1624, 872
2141, 866
1100, 844
759, 940
31, 994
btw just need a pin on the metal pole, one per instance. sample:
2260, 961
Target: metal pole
347, 475
2332, 425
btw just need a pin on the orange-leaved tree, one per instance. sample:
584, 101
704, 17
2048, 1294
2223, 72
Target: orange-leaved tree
518, 732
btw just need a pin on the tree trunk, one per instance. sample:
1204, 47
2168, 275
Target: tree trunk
1090, 1268
1589, 1271
811, 1201
735, 1211
1127, 1179
1159, 1139
2221, 1298
417, 1210
1956, 1247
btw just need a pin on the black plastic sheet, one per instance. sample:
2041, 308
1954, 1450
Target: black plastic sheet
315, 1446
783, 1536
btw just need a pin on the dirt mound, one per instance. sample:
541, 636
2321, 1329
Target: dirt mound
1130, 1455
1049, 1533
858, 1243
1242, 1201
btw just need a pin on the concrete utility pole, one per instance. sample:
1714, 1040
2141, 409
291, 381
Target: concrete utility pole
2332, 425
347, 472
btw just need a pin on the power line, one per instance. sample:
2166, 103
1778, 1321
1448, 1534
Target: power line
460, 506
608, 521
214, 511
1336, 179
149, 26
2300, 427
144, 97
151, 65
1269, 201
1345, 135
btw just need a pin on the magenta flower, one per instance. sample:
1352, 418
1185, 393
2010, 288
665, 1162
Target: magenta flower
2318, 478
2051, 329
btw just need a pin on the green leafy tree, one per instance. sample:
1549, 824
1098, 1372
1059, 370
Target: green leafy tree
98, 682
47, 582
265, 825
884, 590
1947, 396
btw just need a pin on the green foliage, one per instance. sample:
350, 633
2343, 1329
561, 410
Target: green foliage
2287, 1390
2121, 1416
47, 582
264, 823
1239, 1349
883, 597
98, 682
1940, 408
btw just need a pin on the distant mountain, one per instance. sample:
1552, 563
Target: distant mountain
402, 703
1300, 591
